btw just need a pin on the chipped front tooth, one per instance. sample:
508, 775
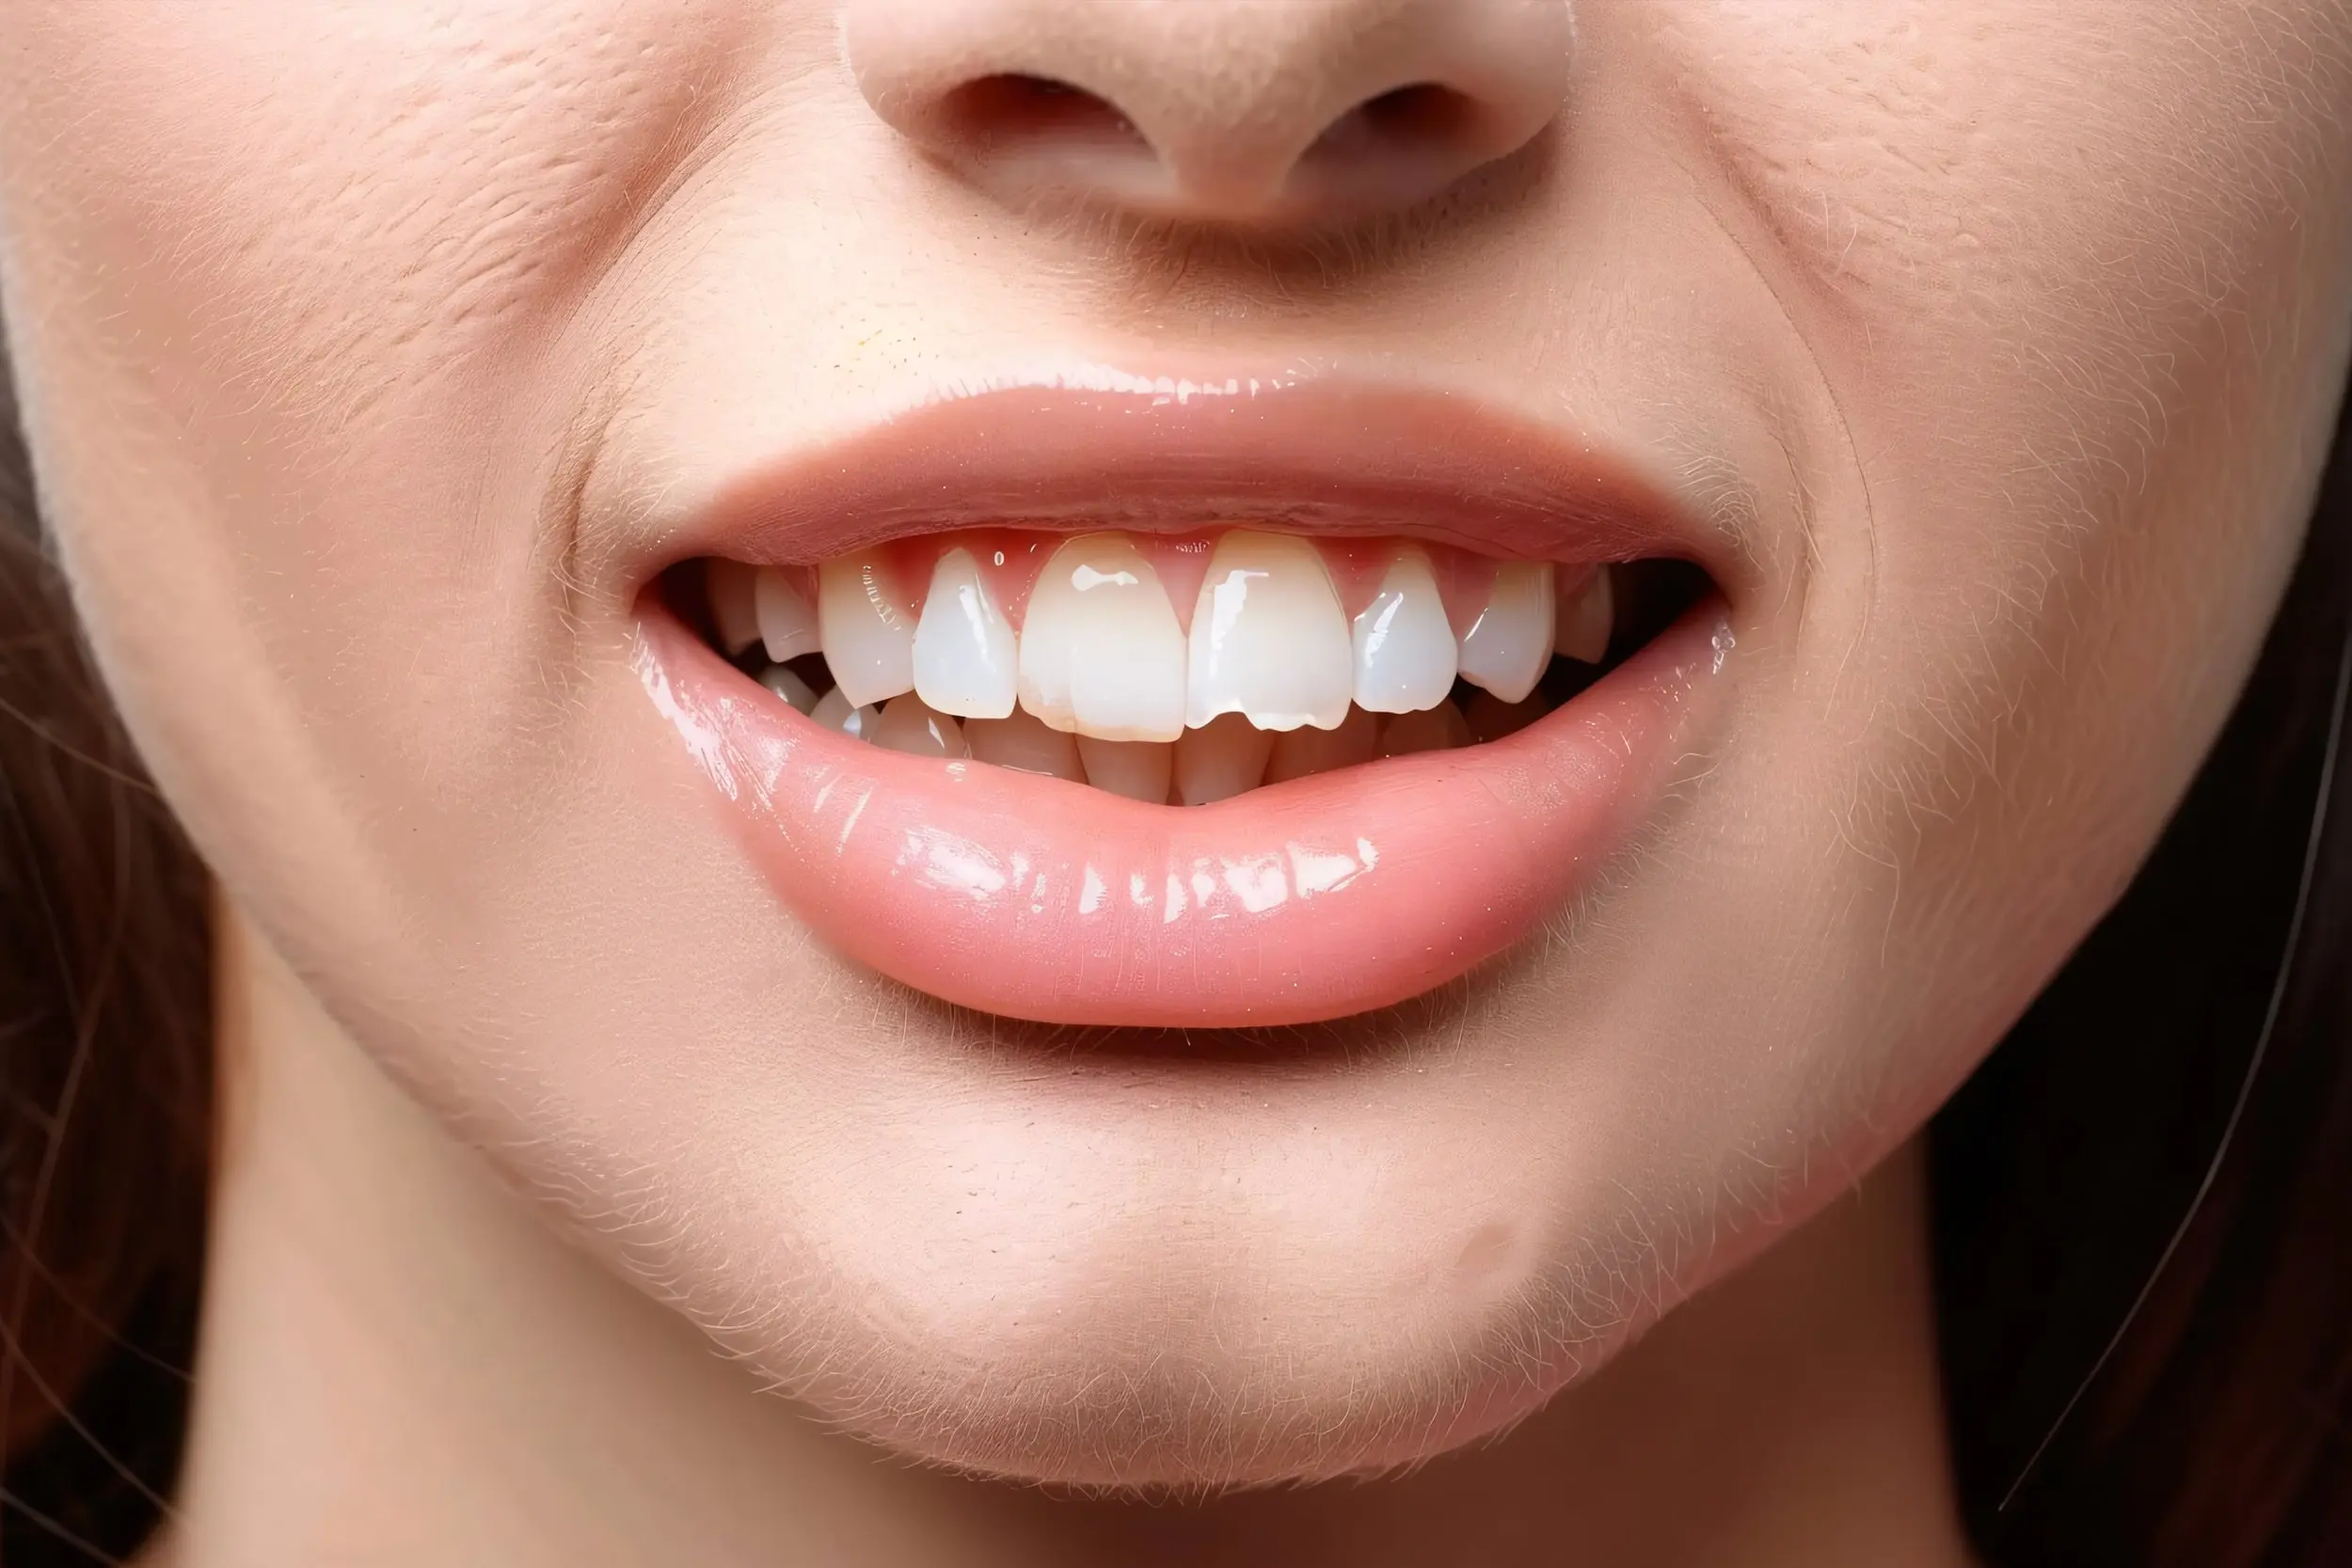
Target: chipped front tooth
786, 624
1433, 729
1302, 752
1403, 644
910, 724
1136, 769
1508, 645
1268, 637
733, 592
1223, 758
1586, 615
965, 660
1101, 653
785, 684
1026, 743
867, 626
1490, 717
833, 711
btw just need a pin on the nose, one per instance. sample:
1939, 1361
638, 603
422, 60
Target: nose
1245, 112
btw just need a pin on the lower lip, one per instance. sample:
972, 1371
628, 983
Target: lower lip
1039, 898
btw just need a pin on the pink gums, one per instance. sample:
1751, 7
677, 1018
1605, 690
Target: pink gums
1011, 560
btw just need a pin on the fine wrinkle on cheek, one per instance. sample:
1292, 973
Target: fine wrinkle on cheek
1826, 473
1900, 153
473, 190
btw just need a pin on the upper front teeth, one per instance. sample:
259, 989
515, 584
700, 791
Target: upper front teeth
1403, 646
1508, 645
868, 623
1100, 652
1268, 641
964, 654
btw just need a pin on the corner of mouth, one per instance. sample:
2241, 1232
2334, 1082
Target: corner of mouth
1337, 669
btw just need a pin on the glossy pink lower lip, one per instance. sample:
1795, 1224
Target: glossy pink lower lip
1313, 900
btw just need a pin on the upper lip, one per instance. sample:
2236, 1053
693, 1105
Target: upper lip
1311, 899
1315, 454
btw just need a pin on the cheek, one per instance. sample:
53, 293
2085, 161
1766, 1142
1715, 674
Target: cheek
2051, 275
2072, 354
347, 251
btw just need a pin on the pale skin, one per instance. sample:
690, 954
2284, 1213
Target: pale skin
403, 1364
357, 345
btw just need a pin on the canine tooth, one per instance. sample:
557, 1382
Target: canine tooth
1430, 729
731, 588
1136, 769
1404, 645
965, 660
910, 724
1300, 752
833, 711
1223, 758
1490, 717
1024, 742
1268, 637
787, 625
867, 626
1508, 645
785, 684
1101, 653
1587, 613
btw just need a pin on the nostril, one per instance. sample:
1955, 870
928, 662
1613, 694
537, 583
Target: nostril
1251, 113
1421, 113
1409, 136
1014, 112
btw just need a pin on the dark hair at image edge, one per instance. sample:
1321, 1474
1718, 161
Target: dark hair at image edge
2215, 1435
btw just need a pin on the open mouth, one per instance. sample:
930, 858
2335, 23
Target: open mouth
1140, 728
1177, 669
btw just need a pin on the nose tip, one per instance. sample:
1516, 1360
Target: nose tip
1249, 112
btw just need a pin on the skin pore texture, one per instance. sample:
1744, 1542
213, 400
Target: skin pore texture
377, 359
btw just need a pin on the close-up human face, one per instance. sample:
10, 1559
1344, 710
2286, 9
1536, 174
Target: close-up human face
1817, 470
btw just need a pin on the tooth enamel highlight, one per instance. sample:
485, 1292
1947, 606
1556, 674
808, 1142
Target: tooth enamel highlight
1268, 637
1302, 752
1024, 742
1136, 769
868, 629
965, 660
1222, 759
1587, 613
910, 724
1101, 653
833, 711
785, 684
1402, 645
787, 625
732, 590
1508, 645
1436, 729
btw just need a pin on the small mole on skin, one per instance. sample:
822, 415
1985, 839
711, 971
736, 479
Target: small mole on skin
1487, 1251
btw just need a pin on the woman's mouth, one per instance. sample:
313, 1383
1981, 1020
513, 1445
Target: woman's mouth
1220, 749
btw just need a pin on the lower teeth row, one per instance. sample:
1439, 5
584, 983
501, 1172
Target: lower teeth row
1223, 758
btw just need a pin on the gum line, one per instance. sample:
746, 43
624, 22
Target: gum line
1010, 558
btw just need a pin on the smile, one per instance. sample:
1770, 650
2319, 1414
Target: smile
1213, 706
